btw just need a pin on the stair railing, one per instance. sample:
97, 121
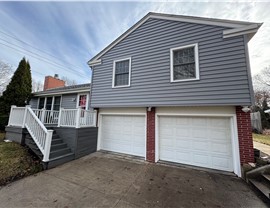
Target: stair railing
39, 133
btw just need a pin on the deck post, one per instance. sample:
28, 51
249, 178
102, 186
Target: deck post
95, 118
25, 114
10, 114
43, 111
59, 117
47, 147
78, 117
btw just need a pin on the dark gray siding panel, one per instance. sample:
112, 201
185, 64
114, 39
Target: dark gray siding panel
222, 62
34, 103
69, 136
82, 141
15, 134
69, 101
86, 142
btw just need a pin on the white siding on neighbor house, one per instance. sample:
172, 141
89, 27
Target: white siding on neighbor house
222, 65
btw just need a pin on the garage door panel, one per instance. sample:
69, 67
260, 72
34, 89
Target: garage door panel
183, 156
182, 132
199, 141
221, 148
199, 122
200, 145
123, 134
199, 133
221, 163
201, 158
183, 143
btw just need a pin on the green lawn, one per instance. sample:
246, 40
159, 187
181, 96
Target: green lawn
265, 139
16, 162
2, 136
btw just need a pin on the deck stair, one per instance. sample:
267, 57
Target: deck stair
260, 179
59, 153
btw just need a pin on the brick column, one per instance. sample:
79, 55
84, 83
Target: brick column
150, 136
244, 136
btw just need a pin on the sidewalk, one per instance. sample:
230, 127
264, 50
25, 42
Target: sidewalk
263, 147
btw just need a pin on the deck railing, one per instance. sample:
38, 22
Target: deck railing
17, 116
34, 121
47, 116
77, 118
35, 127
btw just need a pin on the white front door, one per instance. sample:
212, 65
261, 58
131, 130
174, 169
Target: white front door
198, 141
123, 134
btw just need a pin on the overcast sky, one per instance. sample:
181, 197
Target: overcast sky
60, 37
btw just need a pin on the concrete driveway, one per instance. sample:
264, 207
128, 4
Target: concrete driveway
105, 180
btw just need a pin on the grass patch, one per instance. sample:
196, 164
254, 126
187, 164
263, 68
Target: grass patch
265, 139
16, 162
2, 136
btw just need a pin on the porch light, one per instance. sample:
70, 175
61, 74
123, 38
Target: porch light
245, 109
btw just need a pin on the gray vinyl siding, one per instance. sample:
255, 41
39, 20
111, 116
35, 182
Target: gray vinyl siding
222, 65
34, 103
69, 101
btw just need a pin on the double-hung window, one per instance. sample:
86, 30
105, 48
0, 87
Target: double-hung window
121, 73
184, 63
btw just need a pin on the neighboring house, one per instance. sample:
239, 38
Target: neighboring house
172, 88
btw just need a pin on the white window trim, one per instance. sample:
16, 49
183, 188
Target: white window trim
113, 78
196, 54
87, 100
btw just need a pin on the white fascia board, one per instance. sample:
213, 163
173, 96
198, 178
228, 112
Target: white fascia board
189, 19
62, 93
94, 62
251, 29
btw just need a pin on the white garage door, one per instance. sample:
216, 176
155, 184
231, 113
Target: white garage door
123, 134
198, 141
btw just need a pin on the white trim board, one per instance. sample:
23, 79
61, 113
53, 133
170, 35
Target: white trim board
191, 19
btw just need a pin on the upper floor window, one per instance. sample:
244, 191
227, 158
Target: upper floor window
121, 73
185, 63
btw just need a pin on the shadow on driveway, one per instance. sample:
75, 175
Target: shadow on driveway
106, 180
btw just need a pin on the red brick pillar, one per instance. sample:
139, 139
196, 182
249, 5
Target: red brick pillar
150, 135
244, 136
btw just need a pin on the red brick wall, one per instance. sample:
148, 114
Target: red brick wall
244, 136
51, 82
150, 136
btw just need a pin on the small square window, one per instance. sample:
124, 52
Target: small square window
121, 73
184, 63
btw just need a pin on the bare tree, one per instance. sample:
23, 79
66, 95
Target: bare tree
69, 82
36, 86
5, 75
262, 80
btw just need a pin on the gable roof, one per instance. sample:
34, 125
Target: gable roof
65, 90
235, 28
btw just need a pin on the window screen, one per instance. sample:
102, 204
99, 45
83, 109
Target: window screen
57, 101
49, 103
41, 103
184, 64
121, 73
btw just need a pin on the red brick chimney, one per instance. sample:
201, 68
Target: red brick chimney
53, 82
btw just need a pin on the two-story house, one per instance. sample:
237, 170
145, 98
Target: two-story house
177, 88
